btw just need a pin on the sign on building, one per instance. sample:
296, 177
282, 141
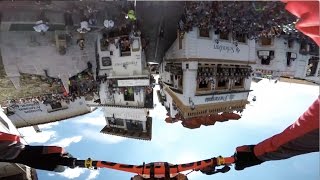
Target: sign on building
133, 82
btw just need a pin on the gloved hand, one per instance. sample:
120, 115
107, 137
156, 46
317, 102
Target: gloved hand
50, 158
245, 157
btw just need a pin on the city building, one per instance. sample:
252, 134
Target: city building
126, 87
205, 77
13, 171
44, 77
283, 57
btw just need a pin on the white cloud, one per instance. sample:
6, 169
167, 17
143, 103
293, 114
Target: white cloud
72, 173
102, 138
280, 99
171, 136
67, 141
48, 126
51, 174
186, 157
31, 136
93, 174
98, 120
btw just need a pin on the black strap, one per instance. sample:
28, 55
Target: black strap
152, 170
143, 168
167, 171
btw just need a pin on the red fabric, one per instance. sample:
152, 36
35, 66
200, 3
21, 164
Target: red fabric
52, 150
306, 123
9, 137
308, 13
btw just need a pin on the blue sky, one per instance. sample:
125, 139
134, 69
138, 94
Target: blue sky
277, 106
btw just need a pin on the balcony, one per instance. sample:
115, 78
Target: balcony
134, 132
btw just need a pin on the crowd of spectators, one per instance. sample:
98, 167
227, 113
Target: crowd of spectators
255, 19
81, 85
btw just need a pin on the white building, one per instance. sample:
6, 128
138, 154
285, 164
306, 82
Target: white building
125, 91
205, 73
280, 57
12, 171
35, 113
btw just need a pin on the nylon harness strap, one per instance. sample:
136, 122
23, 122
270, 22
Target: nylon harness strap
9, 137
152, 170
143, 166
167, 170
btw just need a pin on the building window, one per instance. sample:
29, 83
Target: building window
304, 48
290, 43
129, 94
104, 44
265, 56
115, 121
223, 83
314, 49
55, 105
312, 66
106, 61
290, 57
204, 32
203, 84
125, 46
239, 82
4, 123
241, 38
134, 125
266, 41
224, 35
136, 45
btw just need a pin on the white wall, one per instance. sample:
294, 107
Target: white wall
126, 113
38, 113
279, 63
198, 100
189, 78
198, 47
174, 52
133, 64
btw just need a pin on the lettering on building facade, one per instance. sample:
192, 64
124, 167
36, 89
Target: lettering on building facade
229, 49
134, 63
29, 108
220, 98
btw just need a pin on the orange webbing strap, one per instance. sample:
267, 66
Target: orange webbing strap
9, 137
229, 160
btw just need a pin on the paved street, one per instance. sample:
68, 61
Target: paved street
154, 14
150, 15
